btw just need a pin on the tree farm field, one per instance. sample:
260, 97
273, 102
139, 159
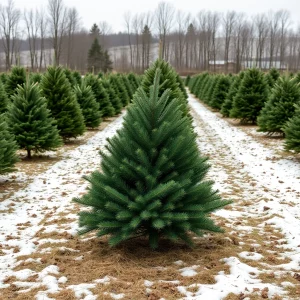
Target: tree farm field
42, 257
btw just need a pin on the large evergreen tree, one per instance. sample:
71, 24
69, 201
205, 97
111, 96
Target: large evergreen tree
252, 95
88, 104
280, 107
152, 180
16, 77
8, 148
106, 107
61, 100
98, 60
292, 131
30, 121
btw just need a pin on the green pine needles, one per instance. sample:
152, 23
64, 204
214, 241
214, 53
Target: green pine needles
280, 107
8, 148
30, 121
152, 181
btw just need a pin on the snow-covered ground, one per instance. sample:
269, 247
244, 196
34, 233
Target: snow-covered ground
262, 226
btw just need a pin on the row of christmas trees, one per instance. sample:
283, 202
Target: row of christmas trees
38, 112
270, 100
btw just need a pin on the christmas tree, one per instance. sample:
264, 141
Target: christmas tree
280, 107
77, 77
16, 77
70, 77
152, 181
272, 77
113, 96
3, 99
130, 90
57, 90
8, 148
88, 104
35, 77
250, 99
168, 80
234, 87
30, 121
187, 80
292, 132
101, 95
119, 85
220, 92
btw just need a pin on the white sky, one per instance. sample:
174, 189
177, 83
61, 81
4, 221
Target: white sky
112, 11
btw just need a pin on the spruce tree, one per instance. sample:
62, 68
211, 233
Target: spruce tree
120, 86
35, 77
187, 80
168, 80
3, 99
113, 96
3, 78
8, 148
234, 87
220, 92
16, 77
69, 76
30, 121
77, 77
101, 95
61, 101
128, 86
280, 107
272, 77
88, 104
250, 99
292, 132
152, 181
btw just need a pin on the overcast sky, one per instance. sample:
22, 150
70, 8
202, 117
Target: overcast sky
112, 11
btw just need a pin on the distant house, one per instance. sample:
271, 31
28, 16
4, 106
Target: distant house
222, 65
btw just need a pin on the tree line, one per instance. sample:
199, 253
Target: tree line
206, 40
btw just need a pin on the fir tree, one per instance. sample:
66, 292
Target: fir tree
101, 95
88, 104
30, 121
187, 80
16, 77
95, 57
168, 80
280, 107
220, 92
119, 85
234, 87
128, 86
134, 81
35, 77
8, 148
152, 176
77, 77
113, 96
3, 78
272, 77
292, 132
61, 101
69, 76
250, 99
3, 99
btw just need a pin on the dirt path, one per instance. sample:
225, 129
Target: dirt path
258, 256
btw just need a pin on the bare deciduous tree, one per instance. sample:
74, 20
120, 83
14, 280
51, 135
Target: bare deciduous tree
57, 22
9, 20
